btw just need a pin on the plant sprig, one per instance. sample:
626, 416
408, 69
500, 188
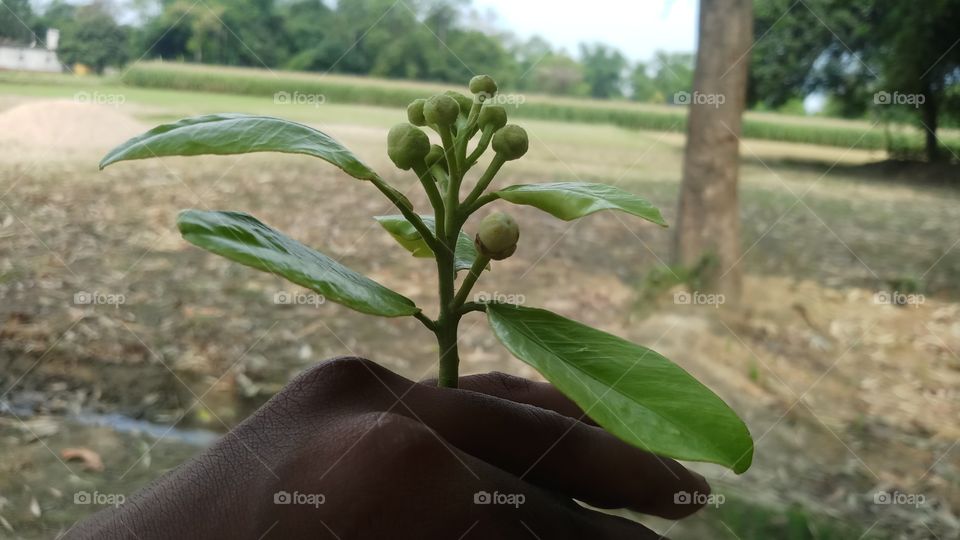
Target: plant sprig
633, 392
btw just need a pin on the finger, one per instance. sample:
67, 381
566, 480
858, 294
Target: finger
541, 514
558, 452
536, 444
520, 390
464, 496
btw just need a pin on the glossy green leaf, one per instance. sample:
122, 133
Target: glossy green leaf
223, 134
407, 236
242, 238
572, 200
633, 392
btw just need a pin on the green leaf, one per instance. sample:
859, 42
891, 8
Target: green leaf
633, 392
407, 236
572, 200
241, 237
223, 134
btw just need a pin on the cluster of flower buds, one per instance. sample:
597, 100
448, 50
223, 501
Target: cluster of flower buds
454, 115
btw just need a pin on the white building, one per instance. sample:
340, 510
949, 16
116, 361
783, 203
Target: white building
32, 58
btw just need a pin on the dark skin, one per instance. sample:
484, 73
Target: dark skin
374, 455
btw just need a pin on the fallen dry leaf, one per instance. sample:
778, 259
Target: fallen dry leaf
90, 459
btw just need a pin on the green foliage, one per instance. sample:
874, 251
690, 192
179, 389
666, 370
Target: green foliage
225, 134
603, 69
869, 46
242, 238
92, 37
16, 18
659, 80
635, 393
407, 236
662, 408
572, 200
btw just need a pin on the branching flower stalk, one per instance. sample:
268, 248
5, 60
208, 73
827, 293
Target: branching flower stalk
647, 400
458, 119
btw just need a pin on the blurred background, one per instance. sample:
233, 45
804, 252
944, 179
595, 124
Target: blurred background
828, 319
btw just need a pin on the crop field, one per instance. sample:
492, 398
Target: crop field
813, 358
341, 89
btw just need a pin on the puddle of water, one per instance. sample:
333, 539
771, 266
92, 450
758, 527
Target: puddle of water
125, 424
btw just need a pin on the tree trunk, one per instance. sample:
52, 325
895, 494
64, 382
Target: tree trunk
930, 124
708, 222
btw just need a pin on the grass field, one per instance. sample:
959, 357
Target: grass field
342, 89
824, 228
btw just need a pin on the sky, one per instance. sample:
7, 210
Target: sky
637, 27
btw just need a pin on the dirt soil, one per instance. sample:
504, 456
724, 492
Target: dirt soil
847, 398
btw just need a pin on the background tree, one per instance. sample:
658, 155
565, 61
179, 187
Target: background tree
658, 80
93, 37
869, 46
708, 219
16, 21
558, 74
603, 69
923, 59
166, 35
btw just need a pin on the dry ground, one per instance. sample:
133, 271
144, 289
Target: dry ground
846, 398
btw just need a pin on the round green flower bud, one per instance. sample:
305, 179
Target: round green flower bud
406, 145
415, 112
497, 236
463, 101
483, 85
434, 155
494, 116
510, 141
441, 110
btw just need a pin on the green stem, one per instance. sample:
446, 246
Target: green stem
479, 265
430, 186
453, 187
485, 180
467, 307
441, 175
479, 203
481, 146
406, 209
447, 324
450, 151
431, 325
471, 127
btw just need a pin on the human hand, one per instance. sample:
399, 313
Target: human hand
350, 449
